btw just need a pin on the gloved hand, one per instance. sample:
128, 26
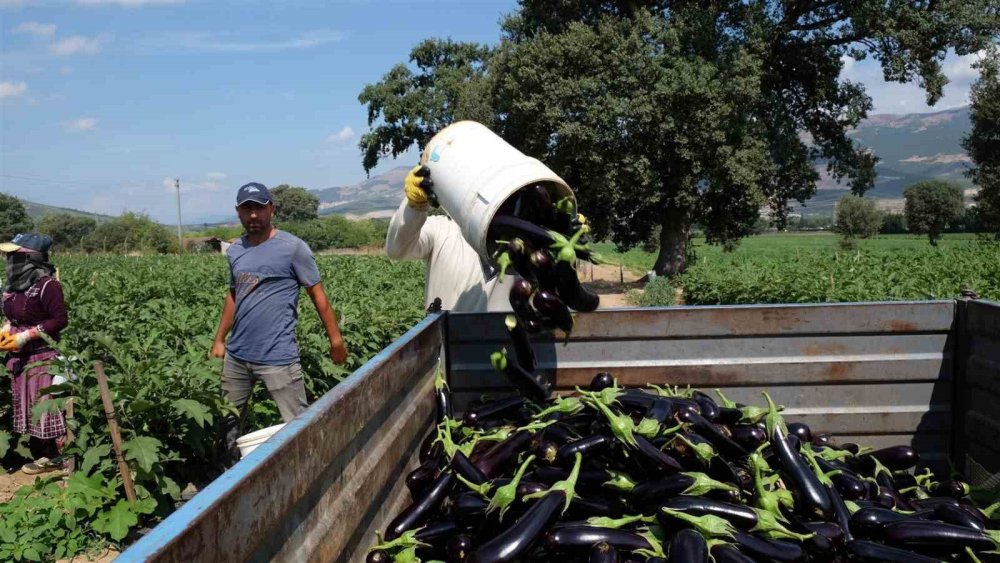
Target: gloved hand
417, 183
14, 342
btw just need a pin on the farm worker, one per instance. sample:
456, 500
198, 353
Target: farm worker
33, 305
455, 272
266, 269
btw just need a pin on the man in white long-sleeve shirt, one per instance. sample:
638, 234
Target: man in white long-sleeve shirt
455, 272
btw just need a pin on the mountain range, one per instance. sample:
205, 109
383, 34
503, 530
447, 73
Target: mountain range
912, 147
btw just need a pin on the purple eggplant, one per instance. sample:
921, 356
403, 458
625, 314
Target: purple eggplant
420, 479
582, 537
649, 495
722, 443
493, 409
544, 270
550, 306
950, 488
378, 556
535, 386
515, 541
601, 381
662, 461
586, 446
896, 458
936, 538
849, 485
576, 296
771, 550
870, 522
520, 302
800, 431
522, 344
812, 495
688, 546
740, 516
872, 552
726, 553
437, 531
709, 408
420, 510
750, 437
959, 517
461, 465
502, 454
458, 548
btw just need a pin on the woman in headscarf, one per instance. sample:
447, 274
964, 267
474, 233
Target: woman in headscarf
33, 305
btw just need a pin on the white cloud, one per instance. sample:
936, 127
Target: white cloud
216, 175
37, 29
344, 135
848, 63
960, 68
77, 44
12, 89
82, 124
227, 43
65, 70
128, 3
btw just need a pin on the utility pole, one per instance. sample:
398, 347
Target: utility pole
180, 237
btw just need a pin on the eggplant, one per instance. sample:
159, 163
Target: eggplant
750, 437
378, 556
950, 488
847, 483
840, 512
932, 502
520, 302
586, 446
801, 478
800, 431
742, 517
601, 381
522, 344
896, 458
662, 461
870, 522
709, 408
468, 507
459, 547
822, 440
602, 553
688, 546
536, 204
502, 454
935, 538
462, 466
873, 552
420, 479
507, 226
442, 397
436, 531
576, 296
430, 448
773, 550
550, 306
546, 451
493, 409
515, 541
519, 251
582, 537
726, 553
420, 510
959, 517
722, 443
647, 496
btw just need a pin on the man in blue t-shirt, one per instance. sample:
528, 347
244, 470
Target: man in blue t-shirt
266, 269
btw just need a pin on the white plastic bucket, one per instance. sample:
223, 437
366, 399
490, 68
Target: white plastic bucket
249, 442
475, 172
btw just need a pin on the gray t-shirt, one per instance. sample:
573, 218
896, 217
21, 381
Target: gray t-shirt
265, 280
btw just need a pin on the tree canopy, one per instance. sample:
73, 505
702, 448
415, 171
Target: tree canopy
14, 217
931, 205
983, 141
674, 113
857, 217
66, 229
292, 203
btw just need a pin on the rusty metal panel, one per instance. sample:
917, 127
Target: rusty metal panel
977, 416
320, 487
875, 369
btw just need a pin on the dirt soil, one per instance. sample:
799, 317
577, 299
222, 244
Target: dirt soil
105, 556
11, 482
610, 282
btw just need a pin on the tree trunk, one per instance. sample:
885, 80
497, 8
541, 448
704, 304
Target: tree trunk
672, 258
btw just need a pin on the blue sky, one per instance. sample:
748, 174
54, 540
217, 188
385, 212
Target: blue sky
104, 101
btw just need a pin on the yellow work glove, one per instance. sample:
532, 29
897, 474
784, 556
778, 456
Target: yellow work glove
8, 343
417, 183
14, 342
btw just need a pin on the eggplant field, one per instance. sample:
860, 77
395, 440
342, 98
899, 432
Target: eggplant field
151, 321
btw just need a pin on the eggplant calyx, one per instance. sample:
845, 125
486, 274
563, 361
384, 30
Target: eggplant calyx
753, 414
673, 392
925, 479
535, 426
724, 401
648, 428
702, 484
989, 510
566, 205
450, 447
880, 468
407, 539
703, 451
482, 490
499, 435
504, 496
567, 486
830, 454
655, 543
972, 555
917, 491
617, 523
440, 383
768, 524
810, 457
499, 360
504, 262
619, 482
565, 405
852, 506
709, 525
773, 420
621, 425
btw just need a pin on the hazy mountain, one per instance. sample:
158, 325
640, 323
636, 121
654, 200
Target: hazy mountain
377, 196
39, 210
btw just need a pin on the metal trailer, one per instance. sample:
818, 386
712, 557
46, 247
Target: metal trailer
925, 373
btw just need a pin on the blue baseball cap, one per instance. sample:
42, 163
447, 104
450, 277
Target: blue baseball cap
254, 192
28, 241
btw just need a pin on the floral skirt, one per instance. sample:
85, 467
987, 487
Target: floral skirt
30, 374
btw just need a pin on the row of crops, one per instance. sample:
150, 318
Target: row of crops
815, 275
151, 321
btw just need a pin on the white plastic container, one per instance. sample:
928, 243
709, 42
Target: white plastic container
475, 172
249, 442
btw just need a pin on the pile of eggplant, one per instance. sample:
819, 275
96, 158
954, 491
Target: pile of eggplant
541, 242
669, 474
